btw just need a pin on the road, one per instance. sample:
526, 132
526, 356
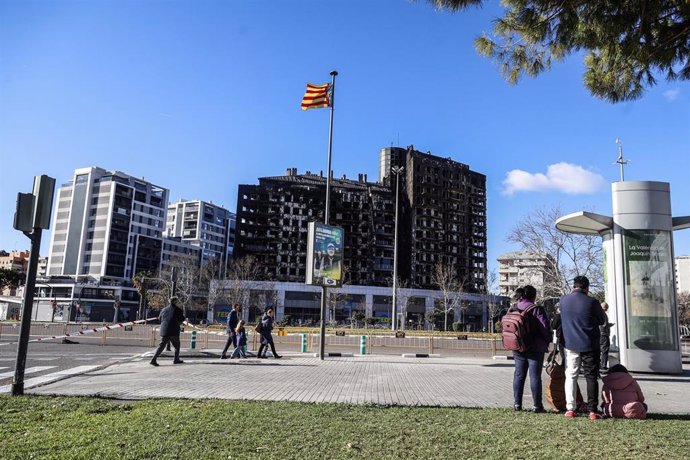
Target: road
48, 361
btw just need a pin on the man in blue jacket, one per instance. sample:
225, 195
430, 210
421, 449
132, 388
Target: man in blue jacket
581, 316
171, 318
233, 320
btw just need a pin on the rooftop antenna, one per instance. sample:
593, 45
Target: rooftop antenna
620, 159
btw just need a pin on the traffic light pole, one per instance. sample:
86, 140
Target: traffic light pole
25, 328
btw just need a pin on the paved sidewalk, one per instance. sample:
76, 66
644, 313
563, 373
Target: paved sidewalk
371, 379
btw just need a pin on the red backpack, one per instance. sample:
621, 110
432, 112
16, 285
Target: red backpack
517, 329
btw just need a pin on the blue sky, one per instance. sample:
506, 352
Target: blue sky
199, 97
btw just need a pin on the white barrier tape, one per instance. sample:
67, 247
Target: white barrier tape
205, 331
86, 331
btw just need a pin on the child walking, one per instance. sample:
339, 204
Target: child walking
623, 397
238, 352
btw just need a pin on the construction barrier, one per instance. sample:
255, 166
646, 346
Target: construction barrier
138, 334
82, 332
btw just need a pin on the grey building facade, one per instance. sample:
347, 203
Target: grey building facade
107, 224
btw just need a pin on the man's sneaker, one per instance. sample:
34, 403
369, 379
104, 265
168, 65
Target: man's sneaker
517, 407
538, 410
179, 361
154, 363
594, 416
570, 414
223, 357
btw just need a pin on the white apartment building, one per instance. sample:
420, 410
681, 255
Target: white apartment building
517, 269
209, 227
107, 224
683, 273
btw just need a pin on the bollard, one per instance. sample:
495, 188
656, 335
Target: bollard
192, 341
363, 345
304, 342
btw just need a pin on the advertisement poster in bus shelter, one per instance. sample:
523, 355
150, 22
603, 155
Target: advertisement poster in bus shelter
649, 288
325, 255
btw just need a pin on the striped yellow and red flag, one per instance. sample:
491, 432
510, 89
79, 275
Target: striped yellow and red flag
316, 97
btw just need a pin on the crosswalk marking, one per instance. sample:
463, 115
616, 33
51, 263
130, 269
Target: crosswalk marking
31, 370
51, 377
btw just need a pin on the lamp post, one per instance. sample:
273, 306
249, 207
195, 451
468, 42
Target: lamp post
397, 170
324, 289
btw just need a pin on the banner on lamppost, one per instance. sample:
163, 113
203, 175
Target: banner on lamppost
325, 255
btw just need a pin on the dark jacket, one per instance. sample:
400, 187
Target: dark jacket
242, 337
232, 321
266, 328
605, 330
171, 317
540, 332
581, 316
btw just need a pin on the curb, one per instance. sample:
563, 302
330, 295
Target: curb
335, 355
420, 355
98, 368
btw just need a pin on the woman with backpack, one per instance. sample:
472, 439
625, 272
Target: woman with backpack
266, 337
532, 359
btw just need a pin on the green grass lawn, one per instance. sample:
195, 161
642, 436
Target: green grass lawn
88, 428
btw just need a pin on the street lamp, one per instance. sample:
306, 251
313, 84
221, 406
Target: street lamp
397, 170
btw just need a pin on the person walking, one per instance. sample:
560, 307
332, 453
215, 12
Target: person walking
241, 333
581, 316
605, 340
171, 318
533, 358
233, 320
266, 337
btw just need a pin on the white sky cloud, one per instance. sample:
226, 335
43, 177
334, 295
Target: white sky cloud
671, 94
561, 177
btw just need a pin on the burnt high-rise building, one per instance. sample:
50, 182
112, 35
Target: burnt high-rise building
442, 216
442, 219
272, 220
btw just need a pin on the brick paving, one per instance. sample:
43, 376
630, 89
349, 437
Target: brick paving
371, 379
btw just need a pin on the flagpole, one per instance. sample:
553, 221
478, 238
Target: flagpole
324, 289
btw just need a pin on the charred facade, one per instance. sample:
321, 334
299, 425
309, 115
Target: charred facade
442, 219
272, 223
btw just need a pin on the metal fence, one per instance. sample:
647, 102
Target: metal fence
146, 335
